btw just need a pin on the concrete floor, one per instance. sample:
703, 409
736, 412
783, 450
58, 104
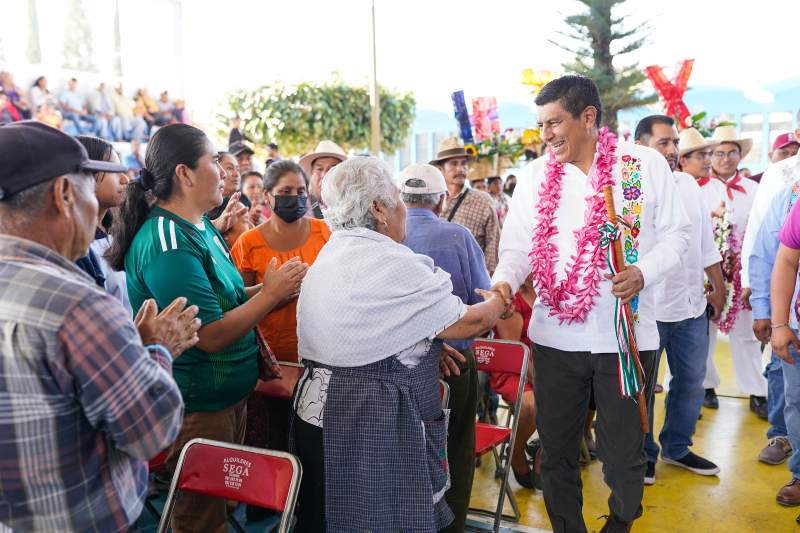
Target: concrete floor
740, 500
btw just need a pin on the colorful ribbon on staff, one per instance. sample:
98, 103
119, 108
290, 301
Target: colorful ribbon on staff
628, 379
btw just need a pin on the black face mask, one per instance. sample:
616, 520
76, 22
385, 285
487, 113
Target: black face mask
290, 208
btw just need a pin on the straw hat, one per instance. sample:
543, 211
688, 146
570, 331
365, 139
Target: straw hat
690, 140
448, 149
323, 149
727, 134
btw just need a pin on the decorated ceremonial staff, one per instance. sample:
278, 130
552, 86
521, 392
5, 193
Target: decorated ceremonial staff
631, 374
557, 230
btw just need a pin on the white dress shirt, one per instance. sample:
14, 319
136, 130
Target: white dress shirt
682, 294
774, 181
662, 240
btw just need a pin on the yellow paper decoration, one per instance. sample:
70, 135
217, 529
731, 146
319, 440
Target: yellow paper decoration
531, 136
537, 78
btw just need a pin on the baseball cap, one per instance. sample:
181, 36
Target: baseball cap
784, 139
238, 148
32, 152
421, 179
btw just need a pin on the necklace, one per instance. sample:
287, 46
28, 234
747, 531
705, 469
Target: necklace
583, 271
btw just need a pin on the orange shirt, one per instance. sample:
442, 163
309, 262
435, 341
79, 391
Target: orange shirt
251, 253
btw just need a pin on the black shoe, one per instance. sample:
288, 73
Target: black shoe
615, 525
711, 401
526, 480
533, 449
650, 474
694, 463
758, 404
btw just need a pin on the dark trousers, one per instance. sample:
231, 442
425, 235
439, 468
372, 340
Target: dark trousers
308, 442
461, 440
563, 382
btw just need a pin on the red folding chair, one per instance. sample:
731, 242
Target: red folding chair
255, 476
492, 355
284, 387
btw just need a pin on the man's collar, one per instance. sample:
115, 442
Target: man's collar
422, 212
464, 188
725, 180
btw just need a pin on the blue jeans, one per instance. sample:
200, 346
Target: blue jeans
87, 123
791, 413
775, 399
686, 344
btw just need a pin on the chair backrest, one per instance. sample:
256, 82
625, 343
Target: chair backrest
284, 387
493, 355
266, 478
250, 475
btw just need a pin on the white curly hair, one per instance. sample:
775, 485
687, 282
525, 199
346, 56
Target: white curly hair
351, 187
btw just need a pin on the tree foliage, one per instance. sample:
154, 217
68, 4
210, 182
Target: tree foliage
600, 37
298, 116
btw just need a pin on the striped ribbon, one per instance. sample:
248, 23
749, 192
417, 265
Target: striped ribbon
628, 380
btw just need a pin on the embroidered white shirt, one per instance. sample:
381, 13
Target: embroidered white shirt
663, 238
682, 294
773, 182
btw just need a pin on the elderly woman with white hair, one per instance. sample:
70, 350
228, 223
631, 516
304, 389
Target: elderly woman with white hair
368, 424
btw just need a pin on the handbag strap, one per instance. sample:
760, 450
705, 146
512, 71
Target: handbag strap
458, 204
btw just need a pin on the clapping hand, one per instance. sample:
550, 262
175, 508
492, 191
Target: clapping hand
284, 283
175, 327
231, 213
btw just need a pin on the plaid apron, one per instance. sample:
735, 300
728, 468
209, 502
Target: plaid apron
385, 446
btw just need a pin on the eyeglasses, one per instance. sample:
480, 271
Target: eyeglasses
700, 155
729, 155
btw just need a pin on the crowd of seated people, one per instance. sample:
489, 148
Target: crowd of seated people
102, 111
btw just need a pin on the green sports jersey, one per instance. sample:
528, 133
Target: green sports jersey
170, 257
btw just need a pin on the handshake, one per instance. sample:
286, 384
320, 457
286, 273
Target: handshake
502, 291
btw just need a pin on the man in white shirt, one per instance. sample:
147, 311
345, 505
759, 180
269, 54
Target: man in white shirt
573, 324
774, 180
726, 190
681, 314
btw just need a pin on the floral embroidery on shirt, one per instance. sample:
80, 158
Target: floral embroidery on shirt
632, 213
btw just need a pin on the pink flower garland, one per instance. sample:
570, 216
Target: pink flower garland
544, 254
729, 316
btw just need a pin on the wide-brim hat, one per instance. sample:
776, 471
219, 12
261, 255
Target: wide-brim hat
727, 134
323, 149
449, 149
690, 140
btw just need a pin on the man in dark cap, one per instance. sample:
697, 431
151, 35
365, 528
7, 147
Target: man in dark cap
85, 398
243, 155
